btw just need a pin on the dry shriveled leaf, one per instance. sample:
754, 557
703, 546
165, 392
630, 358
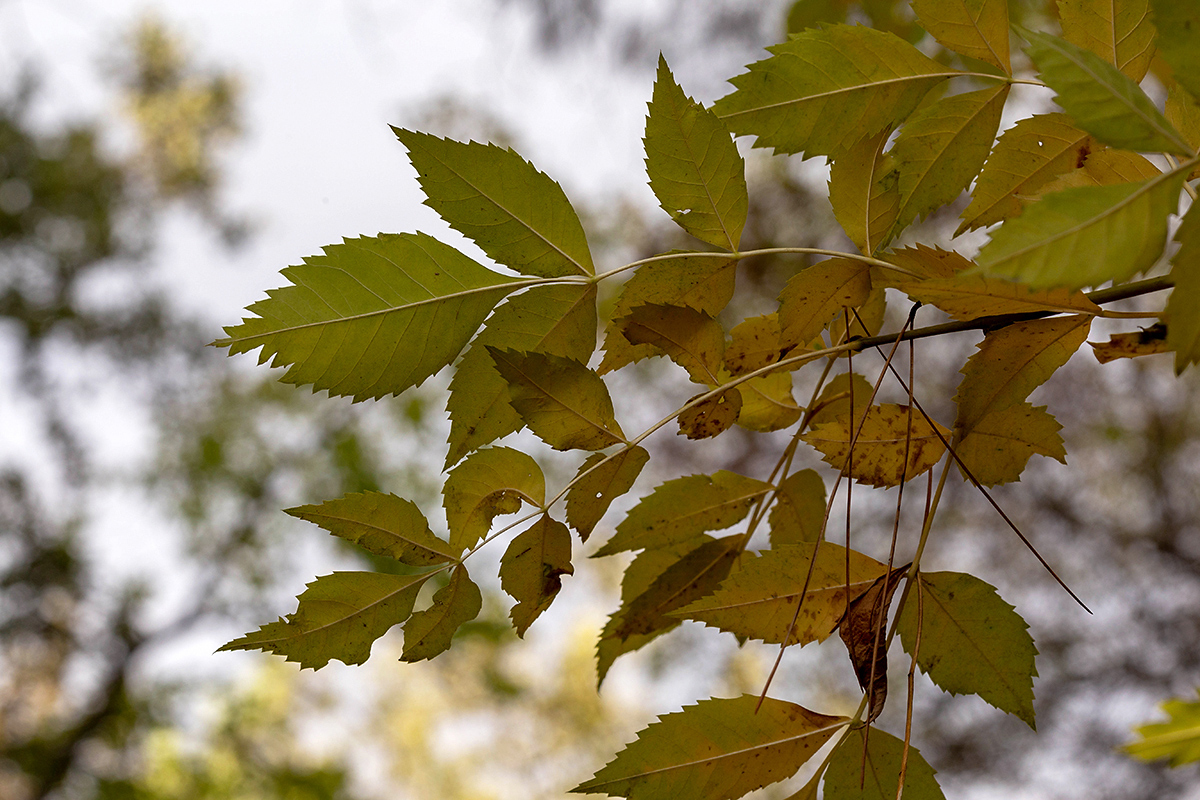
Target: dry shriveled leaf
488, 484
864, 631
532, 567
382, 524
690, 338
428, 633
713, 416
592, 494
1146, 342
758, 600
718, 749
886, 435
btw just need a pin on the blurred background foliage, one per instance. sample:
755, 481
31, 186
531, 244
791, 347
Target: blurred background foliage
94, 702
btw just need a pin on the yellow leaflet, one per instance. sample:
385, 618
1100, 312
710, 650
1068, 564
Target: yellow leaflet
799, 509
864, 191
532, 567
1178, 739
767, 403
1119, 31
711, 417
999, 446
1184, 113
1103, 167
817, 294
1146, 342
866, 320
975, 28
382, 524
835, 399
850, 776
690, 338
754, 344
885, 435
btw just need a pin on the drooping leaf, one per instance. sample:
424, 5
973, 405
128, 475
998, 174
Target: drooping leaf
767, 403
562, 401
703, 283
1026, 156
864, 191
972, 642
1178, 739
942, 148
693, 576
1119, 31
1085, 236
694, 167
591, 496
340, 325
878, 456
975, 28
718, 749
382, 524
339, 617
1100, 99
968, 297
712, 416
799, 509
516, 214
679, 509
428, 633
488, 484
823, 90
998, 447
532, 567
835, 397
557, 319
849, 778
1183, 307
691, 338
758, 600
814, 296
755, 343
1178, 23
864, 631
1146, 342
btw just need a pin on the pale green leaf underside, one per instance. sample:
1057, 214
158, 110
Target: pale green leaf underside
1085, 236
516, 214
372, 316
1101, 100
823, 90
382, 524
694, 167
339, 617
718, 749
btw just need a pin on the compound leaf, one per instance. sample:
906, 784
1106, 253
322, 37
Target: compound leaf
1178, 739
823, 90
848, 777
339, 617
532, 567
516, 214
562, 401
972, 642
340, 325
718, 749
557, 319
758, 600
974, 28
694, 167
679, 509
592, 494
1120, 32
382, 524
1183, 307
879, 446
428, 633
487, 484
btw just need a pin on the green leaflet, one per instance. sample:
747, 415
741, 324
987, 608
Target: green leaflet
700, 282
1183, 307
718, 749
942, 148
972, 642
428, 633
340, 325
532, 567
557, 319
864, 192
1100, 99
679, 509
799, 510
975, 28
488, 484
516, 214
1119, 31
591, 495
823, 90
1177, 739
691, 338
758, 600
694, 167
849, 778
382, 524
1178, 23
562, 401
339, 617
1085, 236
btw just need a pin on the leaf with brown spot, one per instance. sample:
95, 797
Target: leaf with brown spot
834, 400
690, 338
888, 432
711, 417
754, 344
864, 630
532, 567
1001, 444
814, 296
1146, 342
